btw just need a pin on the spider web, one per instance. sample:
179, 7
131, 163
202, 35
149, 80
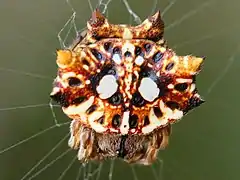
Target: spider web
34, 131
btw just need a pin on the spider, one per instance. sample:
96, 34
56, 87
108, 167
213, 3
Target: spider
123, 88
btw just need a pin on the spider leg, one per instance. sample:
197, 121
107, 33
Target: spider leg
158, 140
82, 138
73, 141
165, 133
86, 144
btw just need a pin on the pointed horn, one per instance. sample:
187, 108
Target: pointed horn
156, 21
187, 65
193, 102
97, 20
195, 65
98, 26
64, 58
152, 28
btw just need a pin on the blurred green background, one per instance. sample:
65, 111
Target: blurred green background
204, 145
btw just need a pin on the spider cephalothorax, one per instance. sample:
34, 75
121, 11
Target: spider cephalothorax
123, 87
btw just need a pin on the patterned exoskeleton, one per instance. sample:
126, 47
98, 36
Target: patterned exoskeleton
123, 88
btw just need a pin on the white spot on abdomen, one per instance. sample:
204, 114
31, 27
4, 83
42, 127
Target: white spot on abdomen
107, 86
139, 60
125, 123
148, 89
116, 58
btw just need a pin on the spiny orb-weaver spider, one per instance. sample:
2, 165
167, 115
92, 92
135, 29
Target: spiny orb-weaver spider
123, 88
